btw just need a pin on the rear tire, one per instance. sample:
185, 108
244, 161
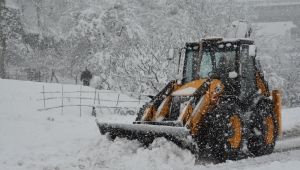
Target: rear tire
263, 130
226, 130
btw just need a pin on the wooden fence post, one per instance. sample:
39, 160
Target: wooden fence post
117, 109
62, 99
118, 99
44, 97
98, 99
140, 98
80, 98
99, 103
95, 96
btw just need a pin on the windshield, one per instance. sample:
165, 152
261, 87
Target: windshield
191, 63
214, 61
221, 59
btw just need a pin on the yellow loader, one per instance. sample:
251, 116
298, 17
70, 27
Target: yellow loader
221, 102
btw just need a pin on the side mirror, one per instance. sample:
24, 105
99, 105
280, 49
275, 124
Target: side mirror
171, 54
179, 78
252, 50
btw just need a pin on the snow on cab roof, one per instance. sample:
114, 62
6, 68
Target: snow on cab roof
205, 39
212, 38
222, 40
235, 39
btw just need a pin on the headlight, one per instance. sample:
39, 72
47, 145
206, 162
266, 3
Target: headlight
218, 89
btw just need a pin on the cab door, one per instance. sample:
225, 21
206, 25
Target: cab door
247, 73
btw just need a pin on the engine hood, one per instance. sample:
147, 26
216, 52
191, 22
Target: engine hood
189, 88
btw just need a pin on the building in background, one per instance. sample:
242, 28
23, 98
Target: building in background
278, 16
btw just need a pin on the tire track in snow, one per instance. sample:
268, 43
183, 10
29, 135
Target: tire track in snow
285, 150
250, 163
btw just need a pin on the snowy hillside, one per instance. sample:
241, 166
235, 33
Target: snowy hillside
32, 139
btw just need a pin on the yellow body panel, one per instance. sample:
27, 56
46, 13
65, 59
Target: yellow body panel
151, 113
187, 111
276, 99
205, 106
159, 116
261, 86
148, 113
166, 107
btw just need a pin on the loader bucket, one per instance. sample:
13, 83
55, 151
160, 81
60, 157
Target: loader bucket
146, 133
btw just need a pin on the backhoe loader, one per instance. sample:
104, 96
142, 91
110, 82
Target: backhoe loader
221, 102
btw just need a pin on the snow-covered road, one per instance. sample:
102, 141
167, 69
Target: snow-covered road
51, 140
276, 161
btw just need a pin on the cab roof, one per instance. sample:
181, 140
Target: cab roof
219, 40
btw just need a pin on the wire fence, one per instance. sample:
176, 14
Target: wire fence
113, 106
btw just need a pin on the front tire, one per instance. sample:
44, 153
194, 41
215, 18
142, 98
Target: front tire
226, 128
263, 130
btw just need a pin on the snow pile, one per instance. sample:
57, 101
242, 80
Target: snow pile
125, 154
63, 140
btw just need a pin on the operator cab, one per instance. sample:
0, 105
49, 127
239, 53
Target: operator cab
218, 58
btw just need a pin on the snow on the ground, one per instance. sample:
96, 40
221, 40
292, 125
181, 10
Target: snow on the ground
122, 153
291, 118
276, 161
61, 139
290, 165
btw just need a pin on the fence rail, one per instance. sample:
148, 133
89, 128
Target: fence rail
133, 101
96, 98
76, 92
55, 107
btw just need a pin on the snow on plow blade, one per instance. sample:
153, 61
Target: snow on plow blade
146, 133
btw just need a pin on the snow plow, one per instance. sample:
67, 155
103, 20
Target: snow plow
220, 102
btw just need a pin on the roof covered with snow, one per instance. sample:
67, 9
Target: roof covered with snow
275, 28
10, 4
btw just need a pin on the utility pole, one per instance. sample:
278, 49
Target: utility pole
2, 39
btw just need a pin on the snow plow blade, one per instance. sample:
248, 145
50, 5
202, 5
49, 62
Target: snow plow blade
146, 133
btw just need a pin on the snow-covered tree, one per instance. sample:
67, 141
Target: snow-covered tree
123, 42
